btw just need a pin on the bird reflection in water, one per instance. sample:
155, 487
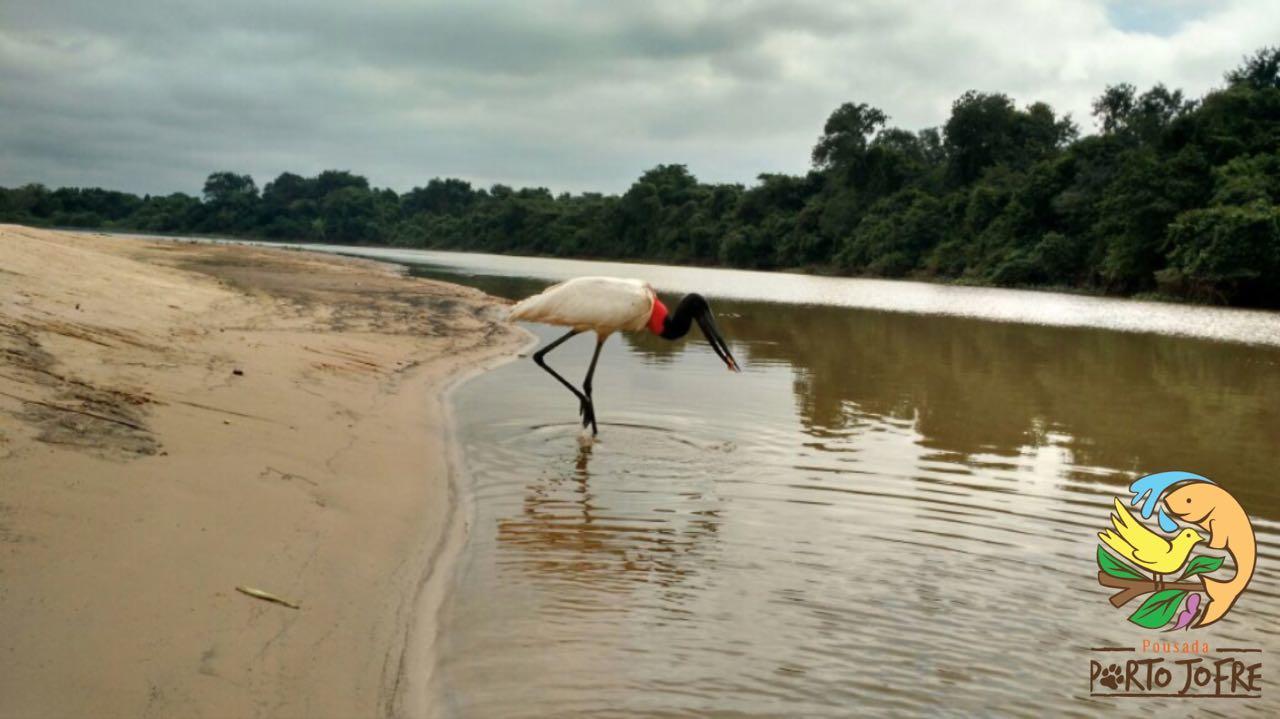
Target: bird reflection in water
621, 533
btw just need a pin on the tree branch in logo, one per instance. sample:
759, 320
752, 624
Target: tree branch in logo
1162, 606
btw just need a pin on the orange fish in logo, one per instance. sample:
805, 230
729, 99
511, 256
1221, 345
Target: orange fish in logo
1210, 507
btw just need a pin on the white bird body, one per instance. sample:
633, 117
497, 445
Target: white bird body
602, 304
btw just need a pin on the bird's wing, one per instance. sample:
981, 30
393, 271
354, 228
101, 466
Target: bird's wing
1117, 543
604, 304
1145, 542
1130, 529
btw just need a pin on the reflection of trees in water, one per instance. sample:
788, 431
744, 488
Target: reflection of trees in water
1126, 401
571, 535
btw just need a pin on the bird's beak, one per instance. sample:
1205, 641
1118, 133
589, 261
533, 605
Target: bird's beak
1202, 537
708, 324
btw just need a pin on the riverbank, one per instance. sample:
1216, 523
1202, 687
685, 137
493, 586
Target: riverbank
178, 420
813, 270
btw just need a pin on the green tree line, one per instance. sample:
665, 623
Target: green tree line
1173, 195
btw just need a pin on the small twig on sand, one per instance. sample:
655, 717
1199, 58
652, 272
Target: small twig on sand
266, 597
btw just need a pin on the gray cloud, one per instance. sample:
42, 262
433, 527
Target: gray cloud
573, 95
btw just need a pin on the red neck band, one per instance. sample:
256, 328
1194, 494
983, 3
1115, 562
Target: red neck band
657, 317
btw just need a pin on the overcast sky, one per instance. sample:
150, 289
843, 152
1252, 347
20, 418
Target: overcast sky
152, 96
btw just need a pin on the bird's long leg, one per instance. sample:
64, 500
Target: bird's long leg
589, 409
537, 357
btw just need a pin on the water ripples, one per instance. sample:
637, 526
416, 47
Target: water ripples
743, 546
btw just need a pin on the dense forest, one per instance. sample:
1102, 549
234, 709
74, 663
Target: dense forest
1173, 196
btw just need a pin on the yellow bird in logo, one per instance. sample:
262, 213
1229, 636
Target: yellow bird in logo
1133, 541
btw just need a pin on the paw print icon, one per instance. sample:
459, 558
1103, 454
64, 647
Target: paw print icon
1111, 677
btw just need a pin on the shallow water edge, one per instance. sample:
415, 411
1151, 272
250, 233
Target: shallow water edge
416, 691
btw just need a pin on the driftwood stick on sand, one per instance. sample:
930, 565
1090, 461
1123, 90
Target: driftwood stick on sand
267, 597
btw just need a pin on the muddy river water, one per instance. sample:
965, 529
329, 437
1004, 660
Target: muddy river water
892, 510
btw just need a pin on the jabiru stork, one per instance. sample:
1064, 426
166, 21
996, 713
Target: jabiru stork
609, 304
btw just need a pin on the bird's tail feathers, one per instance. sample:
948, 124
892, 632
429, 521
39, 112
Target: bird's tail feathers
519, 309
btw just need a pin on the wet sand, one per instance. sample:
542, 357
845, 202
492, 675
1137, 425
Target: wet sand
177, 420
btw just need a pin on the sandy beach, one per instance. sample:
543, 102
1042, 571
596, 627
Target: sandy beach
178, 420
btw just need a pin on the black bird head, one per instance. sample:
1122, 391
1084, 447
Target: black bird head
693, 308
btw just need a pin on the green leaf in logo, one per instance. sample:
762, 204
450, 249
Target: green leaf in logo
1115, 567
1159, 609
1202, 565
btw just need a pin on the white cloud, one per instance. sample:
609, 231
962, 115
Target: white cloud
571, 95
